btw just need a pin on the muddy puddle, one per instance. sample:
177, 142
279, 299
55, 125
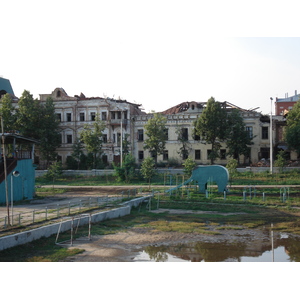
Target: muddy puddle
275, 247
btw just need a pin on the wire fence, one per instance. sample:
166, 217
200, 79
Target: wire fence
58, 210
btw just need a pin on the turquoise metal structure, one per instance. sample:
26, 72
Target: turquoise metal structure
21, 187
20, 160
204, 174
5, 87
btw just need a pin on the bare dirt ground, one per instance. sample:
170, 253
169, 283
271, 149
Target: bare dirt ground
124, 246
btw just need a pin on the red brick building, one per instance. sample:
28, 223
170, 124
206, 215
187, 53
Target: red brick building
283, 105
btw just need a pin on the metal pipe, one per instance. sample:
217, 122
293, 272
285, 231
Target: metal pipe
5, 171
271, 140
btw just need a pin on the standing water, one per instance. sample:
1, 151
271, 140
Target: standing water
274, 247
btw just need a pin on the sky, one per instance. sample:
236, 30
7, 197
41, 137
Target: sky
154, 53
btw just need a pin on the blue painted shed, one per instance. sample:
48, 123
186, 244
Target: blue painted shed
19, 162
5, 87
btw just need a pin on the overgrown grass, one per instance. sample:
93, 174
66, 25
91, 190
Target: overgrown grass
46, 192
252, 217
246, 178
42, 250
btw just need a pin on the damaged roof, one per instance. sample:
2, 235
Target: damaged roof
182, 107
185, 106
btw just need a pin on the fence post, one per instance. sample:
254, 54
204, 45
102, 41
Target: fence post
57, 210
244, 195
69, 207
19, 219
46, 212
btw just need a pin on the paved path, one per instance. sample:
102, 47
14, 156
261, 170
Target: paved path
74, 195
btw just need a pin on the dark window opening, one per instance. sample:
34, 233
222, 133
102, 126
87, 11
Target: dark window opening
166, 155
185, 134
249, 130
196, 137
104, 138
141, 155
140, 135
69, 139
166, 131
198, 154
69, 117
223, 154
265, 133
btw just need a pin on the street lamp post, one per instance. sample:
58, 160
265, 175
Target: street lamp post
121, 140
271, 140
5, 170
14, 174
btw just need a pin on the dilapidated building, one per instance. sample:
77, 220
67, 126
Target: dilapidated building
181, 117
123, 118
74, 112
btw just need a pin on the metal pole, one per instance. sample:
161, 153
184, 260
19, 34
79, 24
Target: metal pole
12, 199
272, 242
5, 172
121, 140
271, 141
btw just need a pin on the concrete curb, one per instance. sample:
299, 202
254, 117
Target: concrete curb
46, 231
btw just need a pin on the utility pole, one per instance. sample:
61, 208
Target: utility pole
121, 139
5, 171
271, 140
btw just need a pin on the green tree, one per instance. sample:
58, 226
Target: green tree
211, 126
48, 132
292, 132
155, 129
91, 135
237, 138
125, 144
280, 161
126, 172
182, 137
7, 111
148, 169
29, 118
54, 171
189, 166
231, 166
77, 151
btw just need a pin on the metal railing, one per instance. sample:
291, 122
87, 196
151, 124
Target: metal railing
58, 210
